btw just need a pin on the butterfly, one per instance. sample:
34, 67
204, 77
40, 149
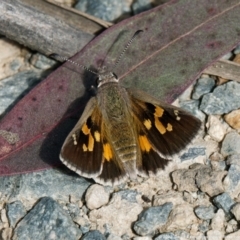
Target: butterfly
125, 132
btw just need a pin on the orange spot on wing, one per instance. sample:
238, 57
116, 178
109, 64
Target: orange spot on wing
144, 143
147, 123
158, 112
159, 126
84, 147
90, 145
107, 152
85, 129
97, 136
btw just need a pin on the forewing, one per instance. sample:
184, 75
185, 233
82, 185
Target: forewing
163, 130
82, 150
87, 149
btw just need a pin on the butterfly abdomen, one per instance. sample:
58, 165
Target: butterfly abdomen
124, 142
125, 146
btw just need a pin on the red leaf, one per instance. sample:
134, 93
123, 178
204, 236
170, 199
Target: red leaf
180, 39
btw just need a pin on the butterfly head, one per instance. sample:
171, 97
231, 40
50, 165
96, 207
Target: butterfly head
105, 76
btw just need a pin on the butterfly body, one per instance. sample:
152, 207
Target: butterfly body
124, 133
116, 113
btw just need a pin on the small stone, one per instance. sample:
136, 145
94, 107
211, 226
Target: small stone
210, 181
233, 178
46, 220
15, 211
167, 236
203, 86
80, 218
232, 119
182, 234
11, 58
221, 81
202, 196
96, 196
204, 226
216, 128
218, 221
73, 199
224, 202
193, 153
75, 213
93, 234
107, 10
125, 237
40, 184
194, 229
216, 156
6, 234
231, 144
113, 237
141, 6
171, 196
218, 165
40, 61
223, 99
142, 238
4, 216
232, 226
205, 212
185, 179
236, 211
84, 229
189, 197
80, 204
128, 195
233, 236
180, 217
152, 218
192, 106
199, 236
214, 235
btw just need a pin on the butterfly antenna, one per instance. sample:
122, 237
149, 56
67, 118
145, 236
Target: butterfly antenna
56, 56
127, 46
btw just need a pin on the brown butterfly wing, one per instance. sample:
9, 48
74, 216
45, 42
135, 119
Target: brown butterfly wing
88, 151
112, 172
82, 150
163, 130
